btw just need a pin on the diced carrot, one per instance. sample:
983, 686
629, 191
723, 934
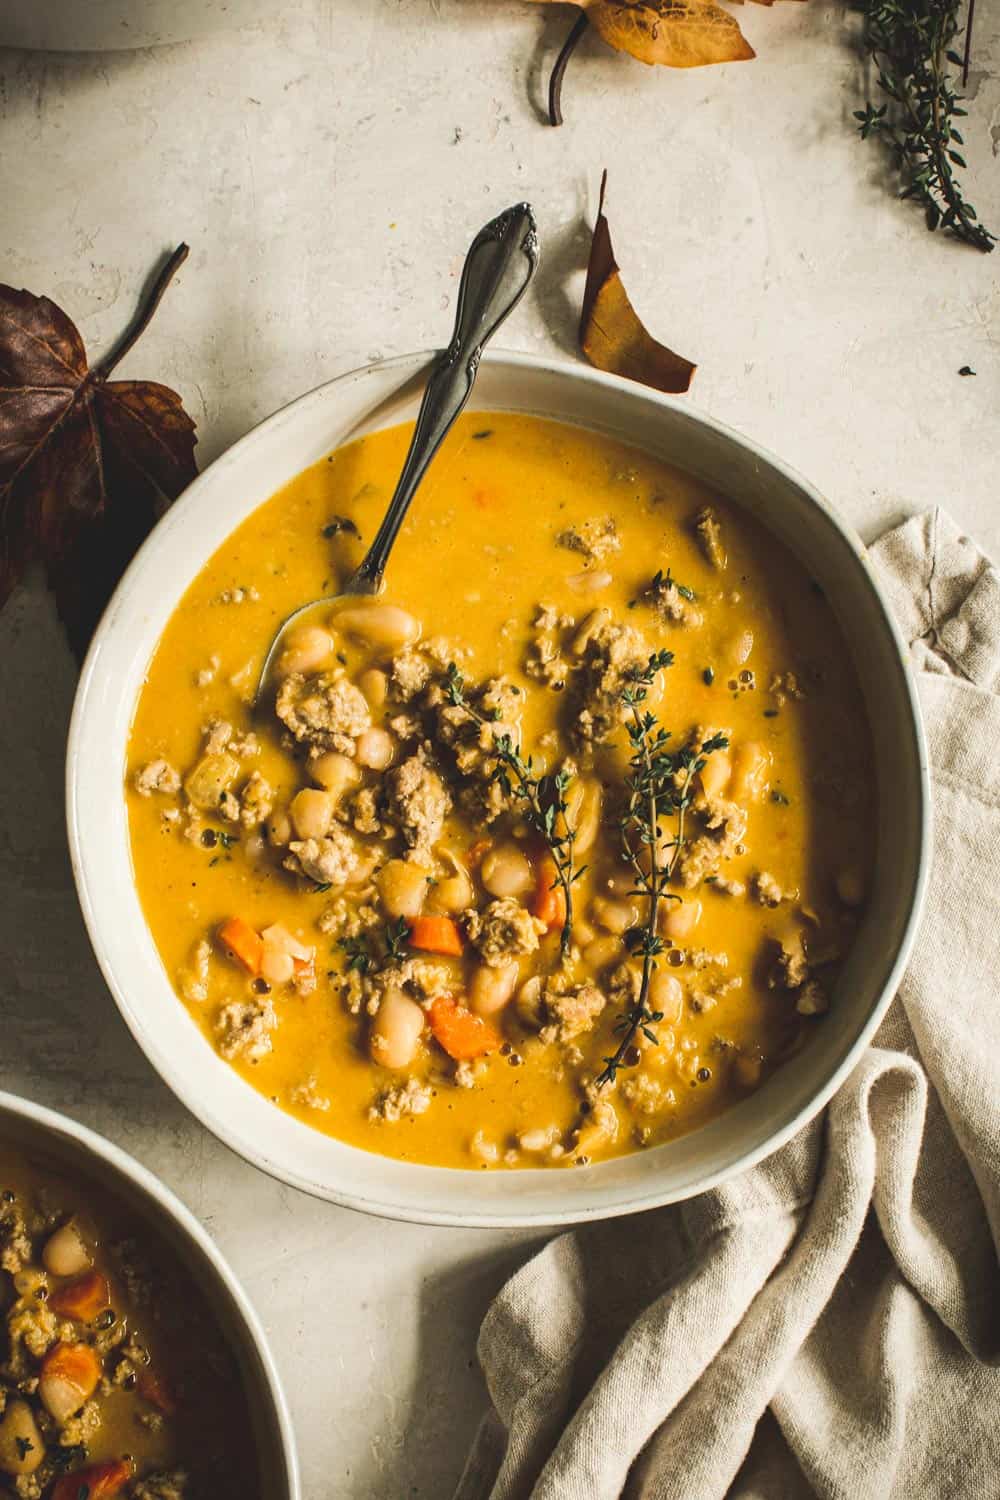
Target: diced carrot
96, 1481
550, 898
476, 852
156, 1391
242, 943
82, 1298
435, 935
461, 1034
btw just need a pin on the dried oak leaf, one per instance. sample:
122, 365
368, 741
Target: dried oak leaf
87, 464
611, 334
673, 33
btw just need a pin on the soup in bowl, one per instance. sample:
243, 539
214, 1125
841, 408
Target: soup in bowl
134, 1368
562, 852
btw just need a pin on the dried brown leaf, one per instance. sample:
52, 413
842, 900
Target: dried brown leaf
87, 465
672, 33
611, 334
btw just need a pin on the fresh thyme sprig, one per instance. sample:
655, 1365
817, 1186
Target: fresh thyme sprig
395, 938
397, 941
543, 798
659, 783
910, 42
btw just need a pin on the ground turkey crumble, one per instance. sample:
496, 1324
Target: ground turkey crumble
409, 1098
596, 538
332, 860
158, 776
504, 930
418, 803
244, 1029
15, 1246
326, 712
559, 1009
671, 602
472, 743
709, 533
421, 978
791, 966
545, 660
726, 825
256, 801
767, 891
606, 653
194, 979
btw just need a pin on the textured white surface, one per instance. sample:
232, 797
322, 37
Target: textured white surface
328, 170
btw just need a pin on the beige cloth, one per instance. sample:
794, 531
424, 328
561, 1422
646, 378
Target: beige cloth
828, 1324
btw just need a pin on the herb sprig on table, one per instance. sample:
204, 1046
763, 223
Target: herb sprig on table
543, 799
659, 784
911, 45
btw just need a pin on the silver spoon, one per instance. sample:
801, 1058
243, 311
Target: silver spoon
500, 263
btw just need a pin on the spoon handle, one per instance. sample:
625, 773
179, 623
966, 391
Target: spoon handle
500, 263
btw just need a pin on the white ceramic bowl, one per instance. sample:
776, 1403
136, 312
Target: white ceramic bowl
78, 1151
200, 521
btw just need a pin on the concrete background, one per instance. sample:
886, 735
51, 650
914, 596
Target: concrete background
328, 169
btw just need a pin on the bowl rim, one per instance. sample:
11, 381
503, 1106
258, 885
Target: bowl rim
411, 365
56, 1124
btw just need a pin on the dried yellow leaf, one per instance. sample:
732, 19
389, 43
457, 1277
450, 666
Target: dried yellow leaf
673, 33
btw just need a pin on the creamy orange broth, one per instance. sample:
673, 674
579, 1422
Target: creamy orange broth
764, 664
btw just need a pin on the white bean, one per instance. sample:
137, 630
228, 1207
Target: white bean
614, 916
678, 919
402, 887
491, 988
751, 763
505, 871
529, 1001
376, 748
336, 773
666, 994
590, 581
308, 649
279, 829
715, 773
64, 1253
312, 812
583, 812
742, 647
375, 686
453, 893
602, 951
396, 1030
61, 1396
381, 625
283, 941
21, 1445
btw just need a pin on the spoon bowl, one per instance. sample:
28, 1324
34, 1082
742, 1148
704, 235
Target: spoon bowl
500, 263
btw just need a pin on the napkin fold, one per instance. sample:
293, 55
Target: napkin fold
827, 1324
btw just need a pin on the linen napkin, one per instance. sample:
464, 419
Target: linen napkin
827, 1324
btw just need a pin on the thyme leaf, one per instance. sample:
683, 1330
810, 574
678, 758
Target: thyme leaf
397, 938
543, 798
659, 783
911, 45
